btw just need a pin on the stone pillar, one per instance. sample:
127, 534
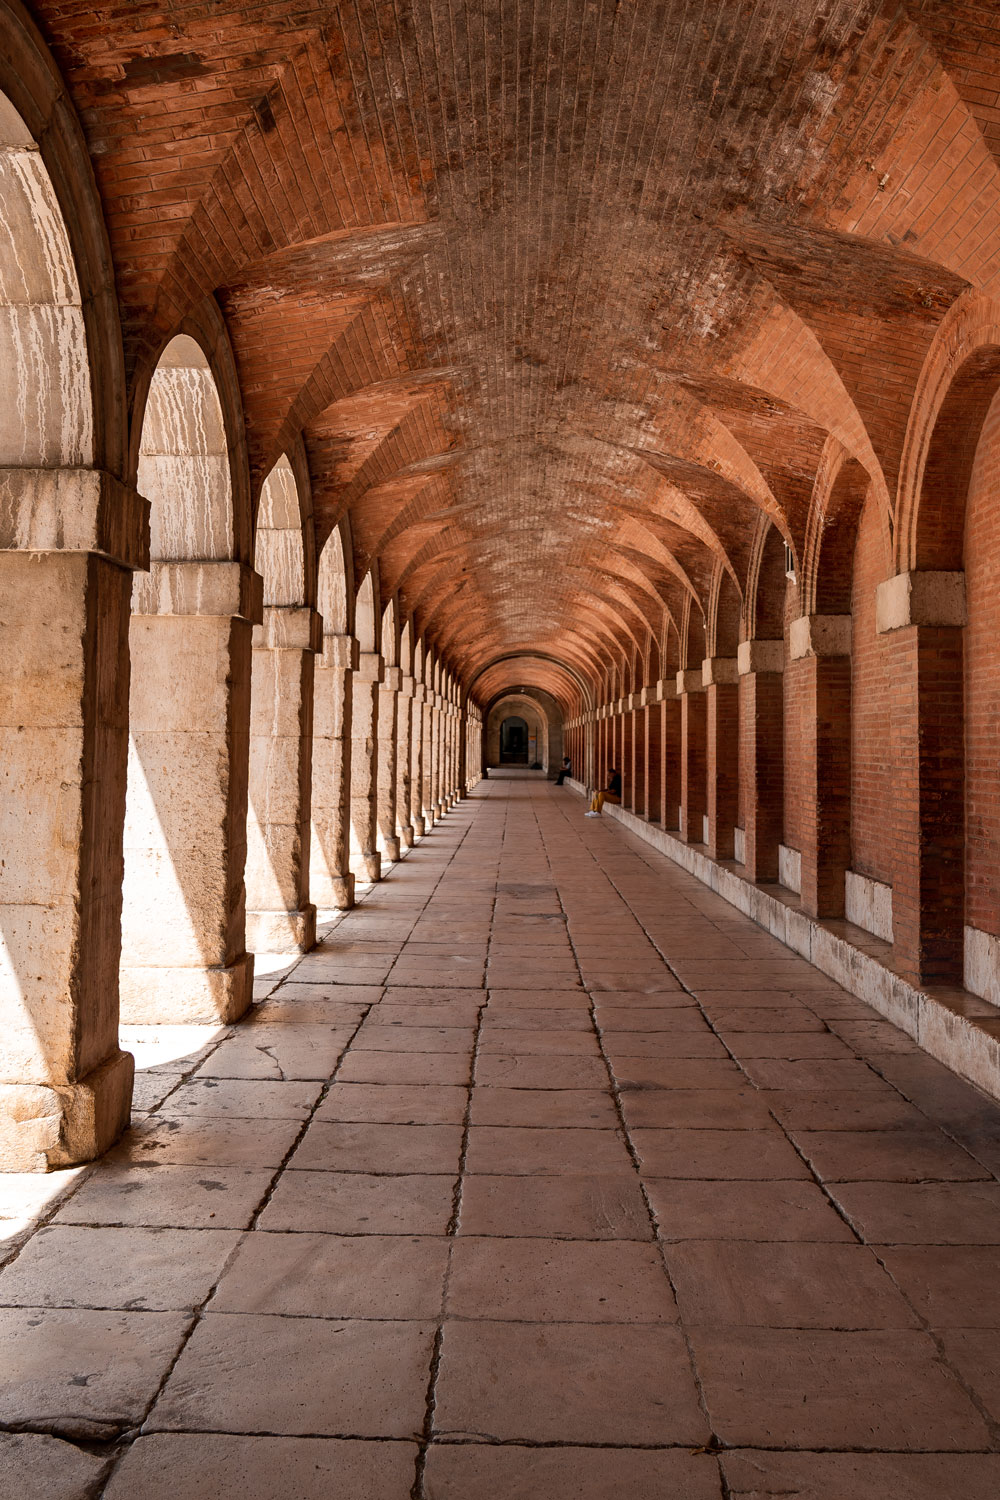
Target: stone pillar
653, 732
638, 717
68, 542
437, 723
428, 768
417, 760
404, 761
722, 755
280, 916
626, 764
694, 802
762, 755
388, 693
922, 615
184, 952
673, 739
366, 861
464, 727
820, 670
331, 877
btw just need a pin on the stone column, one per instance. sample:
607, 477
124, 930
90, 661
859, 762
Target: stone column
68, 542
627, 764
638, 717
404, 761
922, 615
464, 727
653, 733
388, 695
366, 861
184, 952
673, 738
280, 915
417, 760
427, 768
762, 755
722, 756
694, 801
331, 877
440, 800
820, 669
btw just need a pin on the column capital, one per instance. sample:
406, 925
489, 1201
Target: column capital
73, 510
340, 652
760, 656
392, 679
718, 669
406, 686
370, 667
820, 635
222, 589
920, 598
666, 688
290, 627
690, 681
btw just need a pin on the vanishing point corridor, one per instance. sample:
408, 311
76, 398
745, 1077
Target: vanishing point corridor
547, 1174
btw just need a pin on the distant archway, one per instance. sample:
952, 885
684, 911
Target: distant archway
514, 741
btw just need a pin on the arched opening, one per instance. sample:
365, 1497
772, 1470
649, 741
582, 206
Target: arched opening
514, 741
280, 917
761, 811
66, 1086
524, 728
388, 702
331, 879
183, 919
366, 859
404, 738
946, 896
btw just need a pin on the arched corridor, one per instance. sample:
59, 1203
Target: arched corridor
499, 749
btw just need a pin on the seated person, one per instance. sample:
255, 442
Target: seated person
611, 793
564, 770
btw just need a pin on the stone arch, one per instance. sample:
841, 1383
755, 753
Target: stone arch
839, 494
69, 536
58, 192
184, 909
366, 856
47, 415
539, 724
958, 380
331, 879
943, 636
389, 843
280, 915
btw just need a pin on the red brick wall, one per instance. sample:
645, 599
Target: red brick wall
982, 683
796, 704
872, 780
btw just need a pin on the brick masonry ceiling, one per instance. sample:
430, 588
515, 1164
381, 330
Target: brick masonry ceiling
564, 296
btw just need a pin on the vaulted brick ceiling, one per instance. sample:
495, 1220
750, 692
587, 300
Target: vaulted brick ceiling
564, 294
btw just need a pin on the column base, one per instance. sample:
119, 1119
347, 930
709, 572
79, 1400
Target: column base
390, 849
367, 867
282, 931
419, 828
162, 996
43, 1126
406, 837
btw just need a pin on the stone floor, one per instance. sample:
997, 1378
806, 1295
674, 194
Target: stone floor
547, 1175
